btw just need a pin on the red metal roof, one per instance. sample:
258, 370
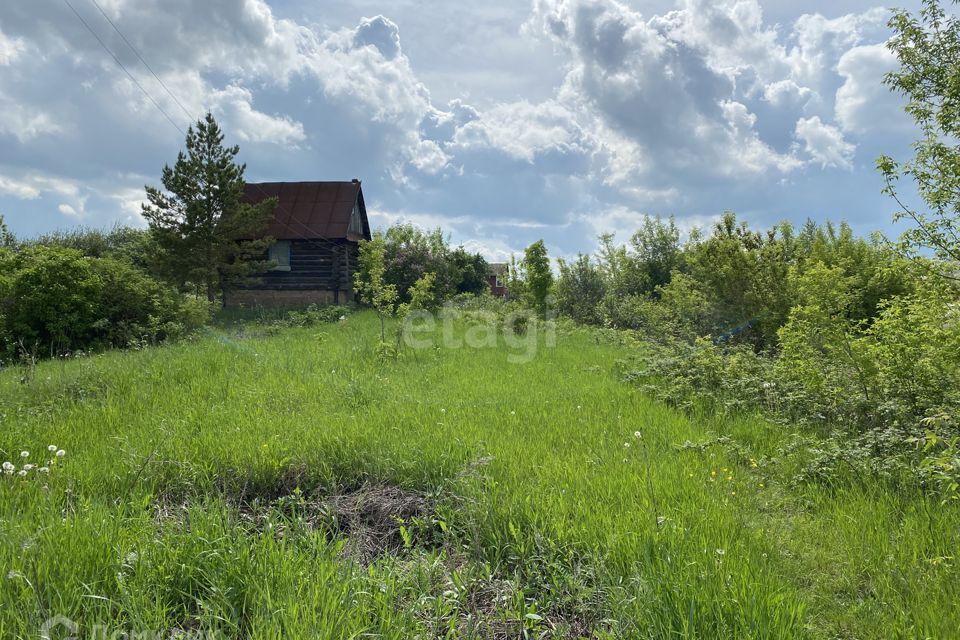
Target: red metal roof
309, 210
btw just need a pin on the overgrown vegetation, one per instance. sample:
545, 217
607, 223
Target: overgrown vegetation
267, 483
857, 339
85, 291
285, 476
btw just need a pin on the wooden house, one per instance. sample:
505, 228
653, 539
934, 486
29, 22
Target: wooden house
317, 227
497, 279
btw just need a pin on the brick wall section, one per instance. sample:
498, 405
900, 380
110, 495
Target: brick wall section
283, 298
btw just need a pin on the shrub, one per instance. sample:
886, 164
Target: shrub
56, 299
53, 298
580, 290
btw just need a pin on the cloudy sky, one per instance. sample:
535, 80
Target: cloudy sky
502, 121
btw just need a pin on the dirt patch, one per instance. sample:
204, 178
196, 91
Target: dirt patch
374, 519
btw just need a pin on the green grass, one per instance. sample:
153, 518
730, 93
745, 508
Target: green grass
544, 521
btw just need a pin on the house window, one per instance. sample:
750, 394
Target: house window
279, 253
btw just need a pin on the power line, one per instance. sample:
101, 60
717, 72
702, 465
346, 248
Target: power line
117, 60
176, 100
140, 58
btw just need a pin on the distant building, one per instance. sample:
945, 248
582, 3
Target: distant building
317, 227
497, 278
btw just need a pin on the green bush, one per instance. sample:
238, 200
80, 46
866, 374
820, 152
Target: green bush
580, 290
54, 299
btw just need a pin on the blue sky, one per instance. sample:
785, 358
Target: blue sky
502, 122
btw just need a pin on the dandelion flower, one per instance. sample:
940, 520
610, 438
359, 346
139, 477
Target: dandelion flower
579, 407
636, 433
626, 445
443, 410
513, 413
28, 467
714, 472
52, 448
729, 477
721, 552
8, 466
22, 473
24, 454
733, 493
61, 453
44, 470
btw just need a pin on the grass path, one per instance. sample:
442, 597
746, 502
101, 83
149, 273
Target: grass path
550, 514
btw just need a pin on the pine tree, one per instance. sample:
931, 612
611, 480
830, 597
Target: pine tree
208, 238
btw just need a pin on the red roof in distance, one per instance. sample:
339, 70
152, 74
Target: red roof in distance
311, 210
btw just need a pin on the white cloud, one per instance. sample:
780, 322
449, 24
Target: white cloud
18, 188
708, 106
626, 221
666, 85
825, 143
31, 186
69, 211
381, 33
234, 105
10, 49
25, 123
863, 103
523, 130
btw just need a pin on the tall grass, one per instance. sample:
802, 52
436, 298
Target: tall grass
551, 516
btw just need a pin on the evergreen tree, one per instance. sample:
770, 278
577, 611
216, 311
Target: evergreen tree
206, 235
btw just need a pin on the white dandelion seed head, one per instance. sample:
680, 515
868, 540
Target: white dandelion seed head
24, 454
513, 413
22, 473
52, 448
28, 467
44, 470
8, 466
636, 434
61, 453
626, 445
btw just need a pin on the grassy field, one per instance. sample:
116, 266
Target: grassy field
263, 483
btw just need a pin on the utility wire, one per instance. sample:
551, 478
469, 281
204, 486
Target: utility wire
117, 60
175, 99
140, 58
